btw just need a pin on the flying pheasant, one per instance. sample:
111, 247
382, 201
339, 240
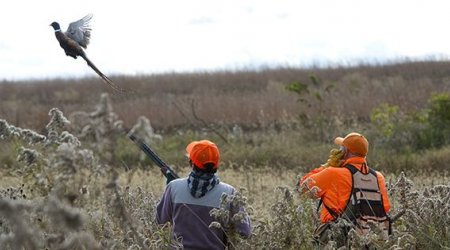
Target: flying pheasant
75, 39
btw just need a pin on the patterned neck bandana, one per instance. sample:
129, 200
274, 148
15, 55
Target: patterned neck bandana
200, 183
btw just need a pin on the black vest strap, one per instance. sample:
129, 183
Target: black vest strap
331, 211
353, 169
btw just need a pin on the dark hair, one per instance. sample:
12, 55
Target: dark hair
207, 167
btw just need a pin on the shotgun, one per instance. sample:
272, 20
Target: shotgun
398, 215
165, 169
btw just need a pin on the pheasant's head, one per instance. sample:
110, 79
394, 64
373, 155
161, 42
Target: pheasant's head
55, 26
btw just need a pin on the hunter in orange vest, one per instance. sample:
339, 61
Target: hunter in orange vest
346, 182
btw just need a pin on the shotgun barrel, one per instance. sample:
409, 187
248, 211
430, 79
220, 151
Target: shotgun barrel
165, 169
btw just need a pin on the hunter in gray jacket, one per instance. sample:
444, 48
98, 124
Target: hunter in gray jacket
186, 202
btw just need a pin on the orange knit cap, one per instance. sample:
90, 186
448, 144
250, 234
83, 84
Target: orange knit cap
355, 143
203, 152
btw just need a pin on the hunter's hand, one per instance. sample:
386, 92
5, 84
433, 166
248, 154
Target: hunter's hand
169, 178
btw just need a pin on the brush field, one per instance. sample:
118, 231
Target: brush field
70, 178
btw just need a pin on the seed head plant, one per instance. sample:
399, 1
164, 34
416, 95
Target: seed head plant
61, 190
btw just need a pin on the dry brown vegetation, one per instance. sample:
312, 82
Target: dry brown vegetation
248, 98
84, 185
62, 192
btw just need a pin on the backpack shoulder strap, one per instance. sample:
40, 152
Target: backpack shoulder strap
331, 211
351, 168
373, 172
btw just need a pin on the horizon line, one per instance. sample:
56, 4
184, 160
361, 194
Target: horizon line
260, 67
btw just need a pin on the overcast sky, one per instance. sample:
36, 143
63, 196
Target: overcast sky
143, 37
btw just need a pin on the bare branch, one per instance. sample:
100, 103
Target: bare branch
205, 123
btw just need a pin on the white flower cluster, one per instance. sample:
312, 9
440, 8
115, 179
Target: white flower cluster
57, 122
27, 156
9, 131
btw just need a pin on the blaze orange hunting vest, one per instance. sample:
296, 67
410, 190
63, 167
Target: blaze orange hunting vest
334, 186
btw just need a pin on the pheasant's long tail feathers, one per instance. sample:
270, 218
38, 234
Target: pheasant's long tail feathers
103, 76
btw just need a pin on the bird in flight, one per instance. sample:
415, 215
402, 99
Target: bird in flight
75, 39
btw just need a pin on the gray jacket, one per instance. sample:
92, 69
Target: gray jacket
190, 216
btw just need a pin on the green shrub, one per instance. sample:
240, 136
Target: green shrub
385, 118
438, 119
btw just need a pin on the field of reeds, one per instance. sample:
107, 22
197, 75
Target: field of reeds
71, 179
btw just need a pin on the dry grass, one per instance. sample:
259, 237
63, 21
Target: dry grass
248, 98
84, 186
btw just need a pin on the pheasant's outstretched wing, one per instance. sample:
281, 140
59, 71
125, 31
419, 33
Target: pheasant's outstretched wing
80, 31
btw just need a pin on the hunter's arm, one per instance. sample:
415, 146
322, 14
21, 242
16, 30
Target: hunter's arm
165, 207
305, 185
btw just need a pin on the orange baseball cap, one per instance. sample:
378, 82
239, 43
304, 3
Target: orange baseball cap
203, 152
355, 143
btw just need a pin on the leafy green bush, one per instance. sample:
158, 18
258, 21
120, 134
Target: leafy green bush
396, 131
438, 118
385, 118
